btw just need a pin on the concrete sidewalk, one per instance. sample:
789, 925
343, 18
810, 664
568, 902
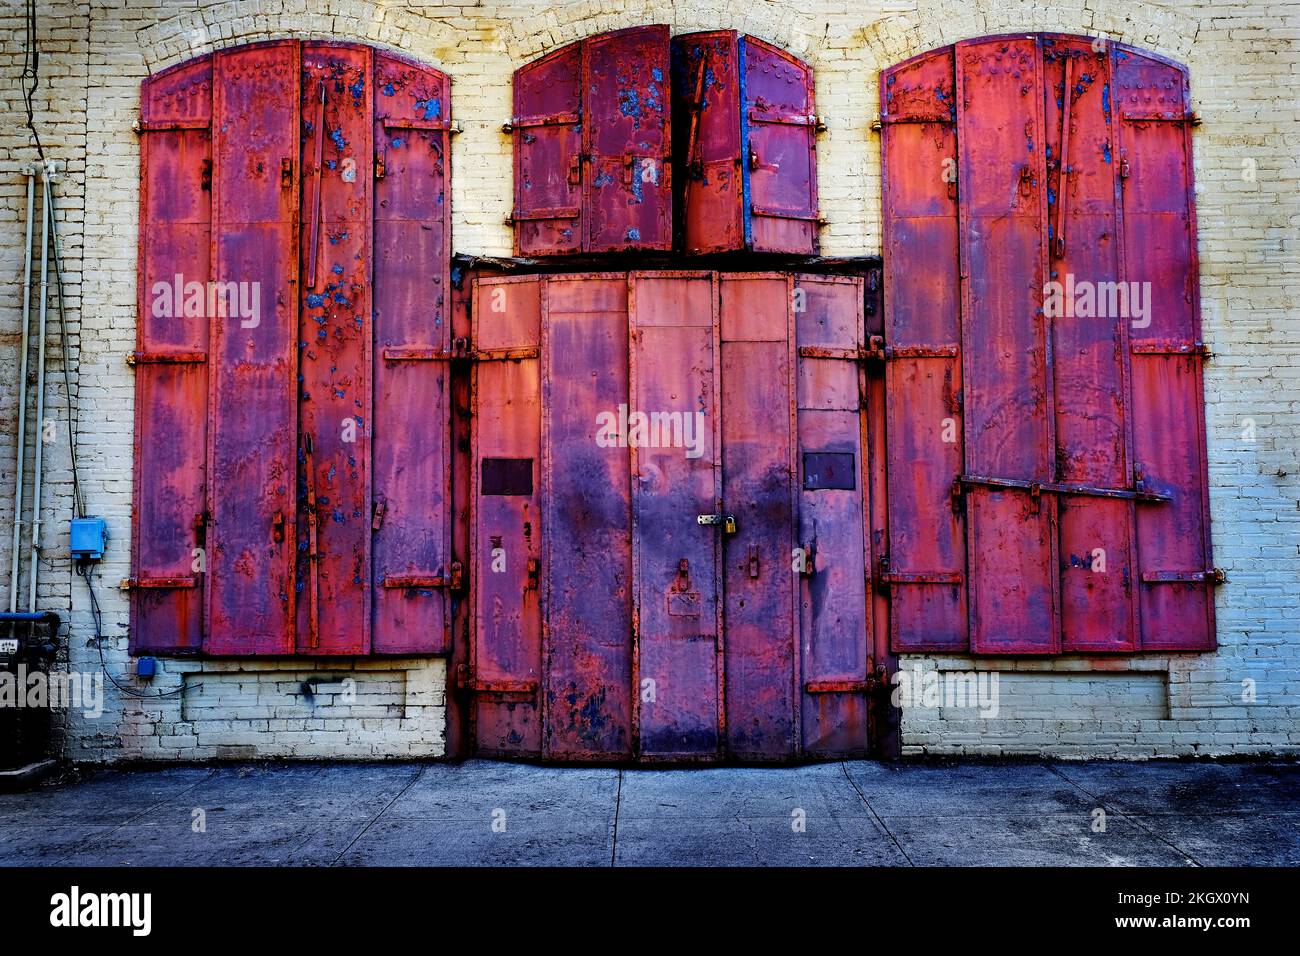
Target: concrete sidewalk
854, 813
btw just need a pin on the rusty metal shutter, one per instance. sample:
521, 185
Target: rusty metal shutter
1082, 476
252, 409
925, 564
1168, 404
547, 131
411, 512
745, 123
308, 251
592, 145
171, 373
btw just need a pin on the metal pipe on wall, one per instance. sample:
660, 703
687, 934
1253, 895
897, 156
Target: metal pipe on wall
30, 172
38, 422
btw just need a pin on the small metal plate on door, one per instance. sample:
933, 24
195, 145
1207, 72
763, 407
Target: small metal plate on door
829, 471
684, 603
507, 476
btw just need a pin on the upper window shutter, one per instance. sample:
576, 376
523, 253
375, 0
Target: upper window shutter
1169, 440
413, 566
925, 564
778, 123
627, 184
547, 130
706, 141
745, 127
171, 373
1082, 457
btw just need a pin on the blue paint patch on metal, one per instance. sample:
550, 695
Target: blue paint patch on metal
746, 205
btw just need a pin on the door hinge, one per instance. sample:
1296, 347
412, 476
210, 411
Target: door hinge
377, 516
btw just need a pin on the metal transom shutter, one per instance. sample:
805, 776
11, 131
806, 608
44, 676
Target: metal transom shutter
744, 132
294, 220
1046, 410
592, 145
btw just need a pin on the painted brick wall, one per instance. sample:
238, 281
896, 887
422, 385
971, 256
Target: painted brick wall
1244, 67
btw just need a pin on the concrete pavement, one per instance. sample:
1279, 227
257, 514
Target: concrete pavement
852, 813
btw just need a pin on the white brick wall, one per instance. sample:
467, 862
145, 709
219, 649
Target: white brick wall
1244, 68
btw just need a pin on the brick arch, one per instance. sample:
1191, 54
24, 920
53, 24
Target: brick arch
769, 20
237, 22
1164, 30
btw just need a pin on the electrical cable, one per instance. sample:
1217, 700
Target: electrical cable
83, 569
31, 77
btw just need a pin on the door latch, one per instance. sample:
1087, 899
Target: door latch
728, 522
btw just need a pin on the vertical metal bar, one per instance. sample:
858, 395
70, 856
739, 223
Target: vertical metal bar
39, 437
314, 253
30, 172
1062, 190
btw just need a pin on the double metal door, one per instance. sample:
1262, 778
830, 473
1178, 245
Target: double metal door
669, 549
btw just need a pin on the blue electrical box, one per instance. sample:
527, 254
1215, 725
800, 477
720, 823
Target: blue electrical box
146, 668
89, 538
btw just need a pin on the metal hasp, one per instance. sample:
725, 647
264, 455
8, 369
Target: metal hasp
592, 146
283, 474
1047, 474
642, 579
744, 135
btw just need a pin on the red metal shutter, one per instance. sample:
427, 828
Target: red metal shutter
333, 553
627, 185
1006, 376
252, 407
778, 123
925, 563
410, 516
706, 138
1168, 406
171, 372
547, 129
1092, 453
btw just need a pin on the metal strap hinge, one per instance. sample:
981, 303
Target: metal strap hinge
162, 126
459, 352
428, 581
1212, 576
1036, 488
166, 358
184, 581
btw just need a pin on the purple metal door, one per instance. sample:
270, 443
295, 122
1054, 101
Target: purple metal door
587, 555
778, 123
833, 557
676, 483
548, 140
252, 408
627, 186
706, 141
413, 568
760, 617
333, 541
171, 372
1168, 406
925, 564
506, 646
1097, 588
1006, 377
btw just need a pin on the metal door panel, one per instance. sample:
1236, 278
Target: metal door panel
757, 487
547, 131
778, 128
925, 560
508, 528
332, 578
1007, 357
627, 189
1168, 406
675, 559
410, 432
587, 556
1097, 590
706, 138
252, 411
835, 626
171, 360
